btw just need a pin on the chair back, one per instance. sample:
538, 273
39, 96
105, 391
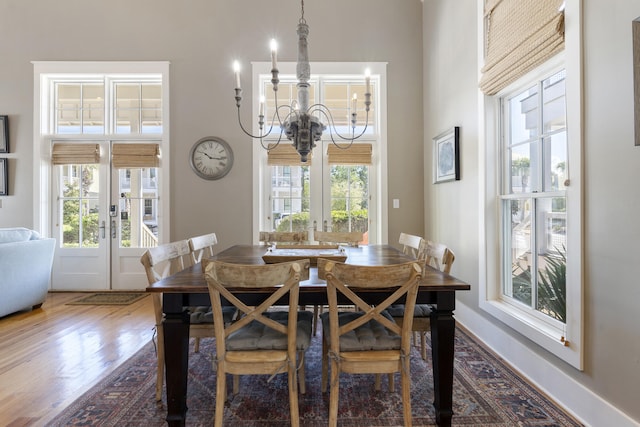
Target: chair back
223, 279
347, 279
412, 245
164, 260
351, 238
202, 246
290, 237
439, 256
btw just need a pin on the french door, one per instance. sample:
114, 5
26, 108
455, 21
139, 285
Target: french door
104, 216
326, 195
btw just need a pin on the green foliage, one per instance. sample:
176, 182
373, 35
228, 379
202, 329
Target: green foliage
552, 285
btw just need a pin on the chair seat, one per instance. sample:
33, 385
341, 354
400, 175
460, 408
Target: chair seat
370, 336
203, 314
257, 336
421, 310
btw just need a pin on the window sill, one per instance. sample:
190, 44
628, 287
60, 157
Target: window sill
544, 334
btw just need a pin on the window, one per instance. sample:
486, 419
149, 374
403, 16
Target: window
333, 191
533, 251
533, 199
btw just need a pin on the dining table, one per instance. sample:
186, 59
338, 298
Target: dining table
189, 288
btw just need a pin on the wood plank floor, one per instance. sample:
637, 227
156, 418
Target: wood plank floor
52, 355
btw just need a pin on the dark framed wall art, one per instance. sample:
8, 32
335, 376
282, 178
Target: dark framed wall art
446, 156
4, 177
4, 134
636, 76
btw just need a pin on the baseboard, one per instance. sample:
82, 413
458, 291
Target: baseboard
582, 403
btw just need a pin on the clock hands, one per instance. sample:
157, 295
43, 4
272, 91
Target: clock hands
213, 158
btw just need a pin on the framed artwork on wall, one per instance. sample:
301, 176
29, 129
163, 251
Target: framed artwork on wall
446, 156
4, 134
4, 178
636, 76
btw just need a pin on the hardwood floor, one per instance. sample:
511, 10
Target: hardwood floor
52, 355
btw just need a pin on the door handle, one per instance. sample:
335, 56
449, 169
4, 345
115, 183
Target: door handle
113, 229
102, 227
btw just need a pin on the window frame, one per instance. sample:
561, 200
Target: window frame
332, 72
566, 342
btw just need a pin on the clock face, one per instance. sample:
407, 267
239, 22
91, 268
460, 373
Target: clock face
211, 158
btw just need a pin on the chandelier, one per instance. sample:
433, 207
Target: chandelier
300, 122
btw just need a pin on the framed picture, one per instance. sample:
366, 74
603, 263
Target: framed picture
446, 156
636, 76
4, 134
4, 178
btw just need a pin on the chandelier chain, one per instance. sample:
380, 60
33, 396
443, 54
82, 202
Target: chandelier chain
302, 20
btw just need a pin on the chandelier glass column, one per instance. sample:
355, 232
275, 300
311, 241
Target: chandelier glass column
300, 122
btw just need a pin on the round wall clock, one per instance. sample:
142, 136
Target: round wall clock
211, 158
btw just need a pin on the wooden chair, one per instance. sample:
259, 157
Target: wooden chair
202, 246
351, 238
289, 237
160, 262
438, 256
259, 342
387, 352
412, 245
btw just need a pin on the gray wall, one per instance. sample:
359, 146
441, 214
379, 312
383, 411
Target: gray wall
611, 170
201, 39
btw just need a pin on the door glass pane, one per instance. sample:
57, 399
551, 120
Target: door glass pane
350, 198
138, 208
79, 207
290, 198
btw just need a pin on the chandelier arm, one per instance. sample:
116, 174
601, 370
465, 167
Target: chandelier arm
248, 133
331, 128
321, 108
269, 146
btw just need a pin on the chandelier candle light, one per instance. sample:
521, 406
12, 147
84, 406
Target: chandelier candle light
301, 124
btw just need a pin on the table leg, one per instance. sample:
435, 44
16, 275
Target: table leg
443, 328
176, 348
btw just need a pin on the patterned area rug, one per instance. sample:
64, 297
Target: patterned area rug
109, 298
486, 393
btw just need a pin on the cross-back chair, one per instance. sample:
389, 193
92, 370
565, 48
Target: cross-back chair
289, 237
351, 238
160, 262
439, 256
259, 342
387, 345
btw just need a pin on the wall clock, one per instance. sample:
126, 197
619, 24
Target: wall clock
211, 158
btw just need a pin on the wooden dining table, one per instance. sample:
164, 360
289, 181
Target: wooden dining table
189, 288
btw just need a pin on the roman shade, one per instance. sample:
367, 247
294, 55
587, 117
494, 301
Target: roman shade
356, 154
285, 154
135, 155
520, 35
73, 154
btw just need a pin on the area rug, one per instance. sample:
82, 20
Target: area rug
109, 298
487, 392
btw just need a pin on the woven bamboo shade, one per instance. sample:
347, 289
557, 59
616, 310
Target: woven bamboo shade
135, 155
74, 154
520, 35
284, 154
356, 154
